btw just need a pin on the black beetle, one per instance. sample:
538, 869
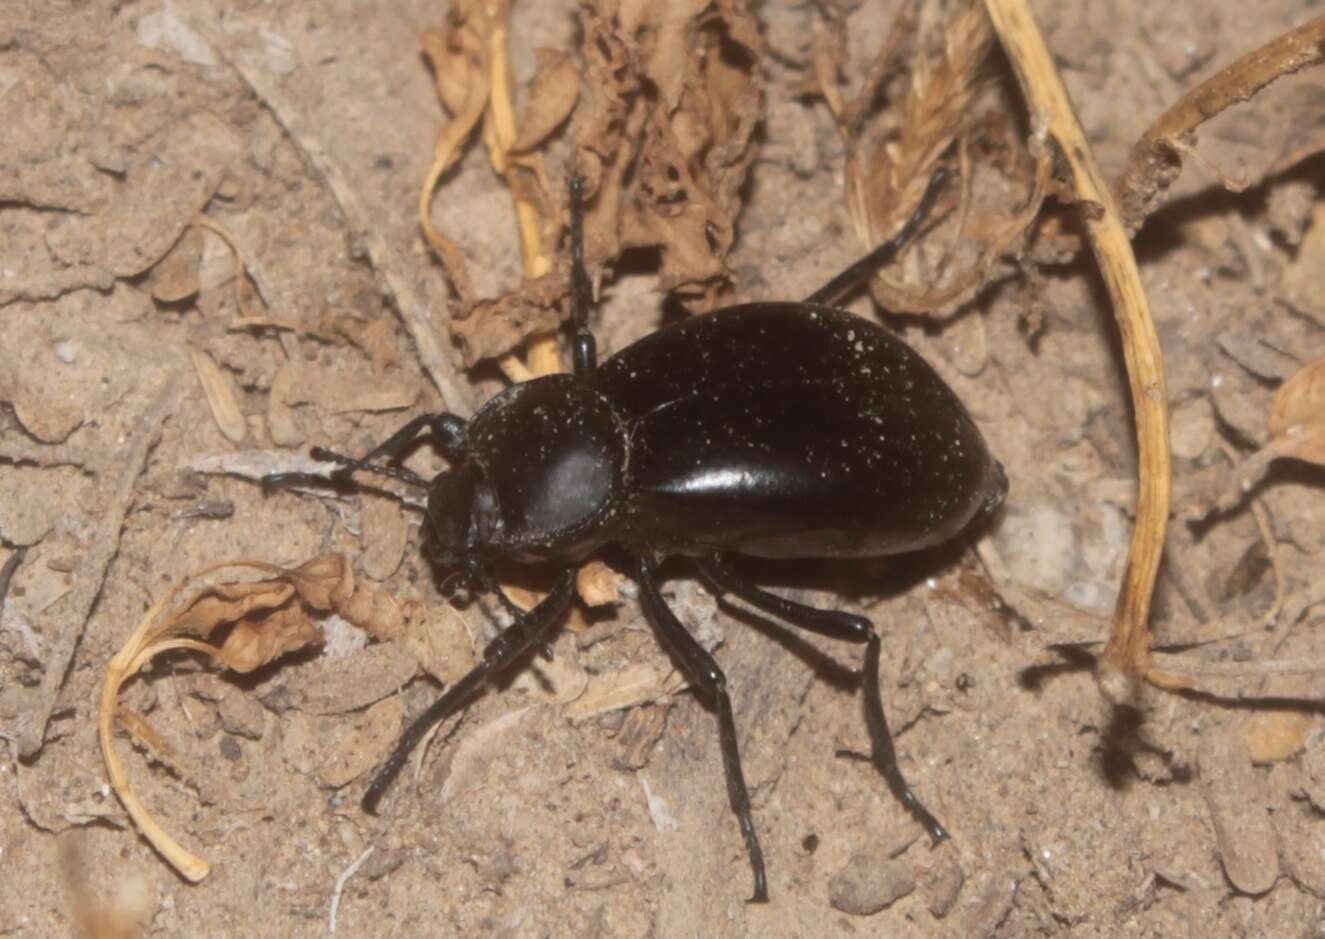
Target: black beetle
769, 429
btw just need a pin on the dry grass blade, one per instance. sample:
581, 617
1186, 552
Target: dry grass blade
936, 109
1126, 657
887, 169
458, 59
1156, 160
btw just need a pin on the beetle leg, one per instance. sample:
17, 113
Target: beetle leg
863, 269
527, 632
447, 432
836, 624
705, 673
489, 583
585, 349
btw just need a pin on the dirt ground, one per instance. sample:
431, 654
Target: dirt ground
304, 130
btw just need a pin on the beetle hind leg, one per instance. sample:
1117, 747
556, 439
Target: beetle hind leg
706, 674
852, 628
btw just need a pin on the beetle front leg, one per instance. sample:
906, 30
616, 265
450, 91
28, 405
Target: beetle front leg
836, 624
446, 431
705, 673
529, 631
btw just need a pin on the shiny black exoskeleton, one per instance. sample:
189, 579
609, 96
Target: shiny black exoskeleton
768, 429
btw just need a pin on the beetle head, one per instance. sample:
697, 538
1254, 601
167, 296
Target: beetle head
461, 506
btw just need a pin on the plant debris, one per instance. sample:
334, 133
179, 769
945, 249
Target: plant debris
257, 622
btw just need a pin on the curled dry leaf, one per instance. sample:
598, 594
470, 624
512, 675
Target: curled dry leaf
261, 621
552, 97
1297, 431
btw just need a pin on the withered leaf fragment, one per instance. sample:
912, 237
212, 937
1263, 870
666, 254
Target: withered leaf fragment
260, 620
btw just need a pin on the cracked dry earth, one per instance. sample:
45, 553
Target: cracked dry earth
303, 131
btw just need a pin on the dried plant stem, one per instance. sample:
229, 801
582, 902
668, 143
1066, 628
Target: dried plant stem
445, 153
481, 89
1155, 161
541, 357
124, 665
1127, 655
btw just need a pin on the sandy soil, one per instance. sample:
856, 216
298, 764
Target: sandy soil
304, 130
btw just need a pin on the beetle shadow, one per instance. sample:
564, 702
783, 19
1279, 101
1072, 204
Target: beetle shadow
1121, 739
1124, 737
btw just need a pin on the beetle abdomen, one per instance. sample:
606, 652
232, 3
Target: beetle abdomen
783, 430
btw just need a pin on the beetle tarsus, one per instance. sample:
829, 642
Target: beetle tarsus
863, 269
529, 631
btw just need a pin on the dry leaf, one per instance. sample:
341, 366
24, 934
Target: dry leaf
664, 170
254, 643
1236, 797
1297, 417
359, 746
552, 97
1273, 736
1297, 431
175, 277
598, 585
221, 397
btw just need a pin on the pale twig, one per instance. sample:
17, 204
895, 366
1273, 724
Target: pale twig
342, 880
1155, 161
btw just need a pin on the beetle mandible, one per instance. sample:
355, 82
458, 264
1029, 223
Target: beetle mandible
775, 429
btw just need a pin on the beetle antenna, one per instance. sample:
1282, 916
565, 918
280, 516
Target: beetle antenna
866, 266
398, 473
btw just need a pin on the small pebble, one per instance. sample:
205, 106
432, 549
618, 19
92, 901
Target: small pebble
230, 749
66, 352
869, 882
941, 883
